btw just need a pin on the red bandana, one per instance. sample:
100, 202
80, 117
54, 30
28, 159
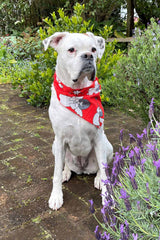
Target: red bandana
85, 102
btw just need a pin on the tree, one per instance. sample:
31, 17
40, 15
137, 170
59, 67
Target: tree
130, 17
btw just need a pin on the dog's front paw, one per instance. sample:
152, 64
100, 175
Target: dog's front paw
55, 200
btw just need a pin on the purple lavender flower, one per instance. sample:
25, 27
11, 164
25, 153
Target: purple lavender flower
127, 228
118, 162
124, 150
151, 108
153, 149
124, 231
131, 156
123, 194
151, 131
92, 210
132, 138
105, 236
145, 133
125, 197
97, 233
108, 184
150, 147
157, 165
103, 211
142, 164
137, 154
132, 173
135, 236
139, 141
127, 204
113, 222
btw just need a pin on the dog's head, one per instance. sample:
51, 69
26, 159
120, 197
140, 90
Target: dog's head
77, 54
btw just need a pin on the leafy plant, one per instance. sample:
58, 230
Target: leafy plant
27, 45
7, 62
137, 77
132, 206
13, 15
105, 69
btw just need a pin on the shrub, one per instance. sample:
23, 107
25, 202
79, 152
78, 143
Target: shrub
36, 79
7, 62
132, 206
105, 70
27, 45
137, 75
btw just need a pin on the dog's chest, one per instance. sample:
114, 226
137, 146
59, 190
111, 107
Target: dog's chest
79, 142
75, 132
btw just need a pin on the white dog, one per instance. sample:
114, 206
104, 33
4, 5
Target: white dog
76, 112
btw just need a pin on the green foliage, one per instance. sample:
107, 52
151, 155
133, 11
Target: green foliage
147, 9
35, 78
137, 77
26, 46
94, 10
76, 23
15, 16
12, 15
105, 69
7, 62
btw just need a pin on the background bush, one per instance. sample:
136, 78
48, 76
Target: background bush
6, 59
136, 76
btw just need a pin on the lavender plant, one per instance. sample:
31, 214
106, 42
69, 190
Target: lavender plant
132, 199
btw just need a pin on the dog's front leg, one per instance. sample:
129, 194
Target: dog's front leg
104, 153
56, 198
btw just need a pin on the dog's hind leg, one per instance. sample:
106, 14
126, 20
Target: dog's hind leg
66, 173
98, 181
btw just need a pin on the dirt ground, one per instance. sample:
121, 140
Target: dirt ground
26, 169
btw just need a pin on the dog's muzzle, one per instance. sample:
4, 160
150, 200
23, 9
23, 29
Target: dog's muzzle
88, 67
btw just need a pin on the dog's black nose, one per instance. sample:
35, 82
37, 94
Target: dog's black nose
87, 56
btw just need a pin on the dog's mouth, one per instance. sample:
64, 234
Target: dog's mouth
88, 70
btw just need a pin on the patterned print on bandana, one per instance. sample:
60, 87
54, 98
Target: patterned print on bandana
86, 102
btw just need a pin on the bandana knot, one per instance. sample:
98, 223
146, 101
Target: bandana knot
85, 102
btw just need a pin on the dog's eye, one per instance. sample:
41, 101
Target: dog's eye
71, 50
94, 49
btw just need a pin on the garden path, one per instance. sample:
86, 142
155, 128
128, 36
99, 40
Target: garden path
26, 168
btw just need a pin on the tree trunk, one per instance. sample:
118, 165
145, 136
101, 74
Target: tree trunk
130, 17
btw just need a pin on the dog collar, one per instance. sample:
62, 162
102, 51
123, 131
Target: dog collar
85, 102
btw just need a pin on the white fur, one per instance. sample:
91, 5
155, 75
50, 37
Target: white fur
78, 146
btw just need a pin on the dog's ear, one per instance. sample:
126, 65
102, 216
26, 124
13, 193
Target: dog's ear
100, 42
54, 40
